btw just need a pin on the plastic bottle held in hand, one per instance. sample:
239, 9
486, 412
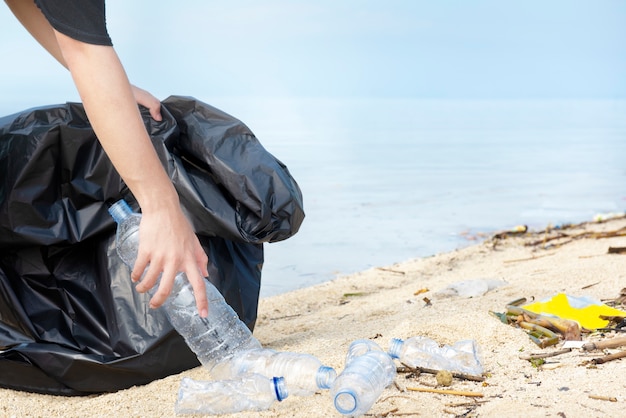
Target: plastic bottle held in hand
304, 374
462, 357
212, 339
251, 392
362, 381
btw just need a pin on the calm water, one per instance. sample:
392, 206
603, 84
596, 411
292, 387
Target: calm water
389, 180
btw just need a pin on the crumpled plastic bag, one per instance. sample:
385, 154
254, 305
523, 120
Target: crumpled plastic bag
71, 322
461, 357
582, 309
469, 288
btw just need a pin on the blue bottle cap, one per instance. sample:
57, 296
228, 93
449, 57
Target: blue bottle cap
280, 388
120, 210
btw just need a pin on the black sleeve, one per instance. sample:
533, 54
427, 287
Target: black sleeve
83, 20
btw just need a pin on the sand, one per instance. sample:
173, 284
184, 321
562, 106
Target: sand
392, 301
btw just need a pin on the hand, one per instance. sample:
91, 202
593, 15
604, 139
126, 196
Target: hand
167, 246
167, 243
147, 100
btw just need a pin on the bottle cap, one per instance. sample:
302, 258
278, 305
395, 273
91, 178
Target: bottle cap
120, 210
280, 388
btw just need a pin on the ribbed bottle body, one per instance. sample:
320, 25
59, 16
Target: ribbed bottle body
251, 392
212, 339
304, 373
362, 381
462, 356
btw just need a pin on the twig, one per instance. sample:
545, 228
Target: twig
600, 345
515, 260
394, 411
546, 239
604, 398
463, 376
390, 270
285, 317
533, 356
590, 285
610, 357
386, 414
447, 392
465, 404
610, 330
398, 385
396, 396
462, 404
610, 234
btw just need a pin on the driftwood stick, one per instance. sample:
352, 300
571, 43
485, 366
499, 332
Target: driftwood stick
535, 257
447, 392
610, 357
533, 356
603, 398
390, 270
617, 250
457, 375
600, 345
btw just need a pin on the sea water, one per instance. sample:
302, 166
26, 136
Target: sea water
387, 180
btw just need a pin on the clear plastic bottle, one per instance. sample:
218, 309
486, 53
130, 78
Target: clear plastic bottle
212, 339
360, 347
251, 392
362, 381
304, 374
462, 357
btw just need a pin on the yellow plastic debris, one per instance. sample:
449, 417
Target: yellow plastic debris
581, 309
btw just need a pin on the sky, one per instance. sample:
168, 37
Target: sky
451, 49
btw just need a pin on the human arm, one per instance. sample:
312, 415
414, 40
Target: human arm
36, 24
168, 244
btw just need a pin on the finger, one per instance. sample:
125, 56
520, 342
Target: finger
202, 260
141, 264
164, 290
155, 112
199, 292
149, 279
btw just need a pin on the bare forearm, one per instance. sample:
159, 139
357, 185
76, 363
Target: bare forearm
112, 110
168, 243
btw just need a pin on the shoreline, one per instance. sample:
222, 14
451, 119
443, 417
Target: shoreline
402, 300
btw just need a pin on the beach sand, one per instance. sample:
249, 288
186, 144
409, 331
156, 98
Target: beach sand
392, 301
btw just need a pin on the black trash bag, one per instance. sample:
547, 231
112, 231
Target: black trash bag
70, 320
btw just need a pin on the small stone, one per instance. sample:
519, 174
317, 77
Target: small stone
444, 378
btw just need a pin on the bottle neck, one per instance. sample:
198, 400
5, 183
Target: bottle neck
120, 210
325, 377
395, 347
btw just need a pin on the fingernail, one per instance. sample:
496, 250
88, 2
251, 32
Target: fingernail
204, 313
